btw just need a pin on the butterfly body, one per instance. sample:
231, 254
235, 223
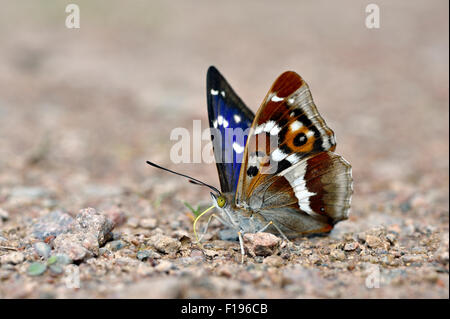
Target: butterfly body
284, 177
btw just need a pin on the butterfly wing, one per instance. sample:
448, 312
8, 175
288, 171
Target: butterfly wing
226, 112
289, 167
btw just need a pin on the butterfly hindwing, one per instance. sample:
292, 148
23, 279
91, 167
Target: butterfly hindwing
227, 114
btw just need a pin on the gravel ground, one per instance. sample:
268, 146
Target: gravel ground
83, 216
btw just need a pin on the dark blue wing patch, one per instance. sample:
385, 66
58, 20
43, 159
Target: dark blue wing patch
228, 117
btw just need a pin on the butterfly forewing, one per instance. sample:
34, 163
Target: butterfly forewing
229, 120
288, 162
286, 129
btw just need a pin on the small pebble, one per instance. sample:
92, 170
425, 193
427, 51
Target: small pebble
116, 215
72, 246
4, 215
306, 252
175, 224
210, 253
53, 224
91, 222
42, 249
408, 259
12, 258
418, 250
225, 271
115, 245
165, 244
391, 238
273, 261
337, 255
361, 237
387, 260
351, 246
143, 255
133, 222
164, 266
148, 223
104, 251
373, 241
261, 244
90, 230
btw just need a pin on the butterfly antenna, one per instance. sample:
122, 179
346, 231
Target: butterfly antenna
191, 179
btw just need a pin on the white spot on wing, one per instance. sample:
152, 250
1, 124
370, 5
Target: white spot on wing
276, 99
237, 118
220, 119
275, 130
214, 92
222, 93
215, 123
296, 125
259, 129
225, 123
269, 125
293, 158
278, 155
238, 148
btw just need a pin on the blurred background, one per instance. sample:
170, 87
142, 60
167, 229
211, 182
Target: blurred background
81, 110
101, 99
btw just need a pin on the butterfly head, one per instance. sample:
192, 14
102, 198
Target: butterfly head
219, 200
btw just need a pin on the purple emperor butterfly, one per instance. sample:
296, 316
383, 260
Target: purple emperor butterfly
282, 176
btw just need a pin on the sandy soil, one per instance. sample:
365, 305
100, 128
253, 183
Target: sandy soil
81, 111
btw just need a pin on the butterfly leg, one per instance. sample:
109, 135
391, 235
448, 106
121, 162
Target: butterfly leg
209, 221
265, 227
241, 243
277, 228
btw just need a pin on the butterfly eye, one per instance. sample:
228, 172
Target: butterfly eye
221, 201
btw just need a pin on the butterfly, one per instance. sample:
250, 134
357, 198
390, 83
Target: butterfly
277, 168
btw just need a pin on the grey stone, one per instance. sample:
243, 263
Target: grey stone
89, 231
42, 249
92, 222
115, 245
53, 224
